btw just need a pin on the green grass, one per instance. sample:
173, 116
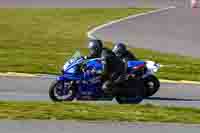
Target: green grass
39, 40
94, 112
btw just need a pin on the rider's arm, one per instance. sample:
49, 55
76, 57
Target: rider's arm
131, 56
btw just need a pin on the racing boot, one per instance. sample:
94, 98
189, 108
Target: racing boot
107, 87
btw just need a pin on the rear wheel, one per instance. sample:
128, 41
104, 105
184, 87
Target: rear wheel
60, 91
152, 85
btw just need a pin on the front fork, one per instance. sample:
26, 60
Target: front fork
63, 80
147, 74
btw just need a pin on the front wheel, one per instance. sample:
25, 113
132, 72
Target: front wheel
152, 85
60, 91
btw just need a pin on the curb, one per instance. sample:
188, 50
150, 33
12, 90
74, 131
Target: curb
26, 75
180, 82
89, 33
14, 74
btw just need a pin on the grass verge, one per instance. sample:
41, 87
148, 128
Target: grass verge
94, 112
39, 40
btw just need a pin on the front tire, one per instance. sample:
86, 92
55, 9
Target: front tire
152, 85
56, 89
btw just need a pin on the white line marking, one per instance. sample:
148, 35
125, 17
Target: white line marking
22, 94
91, 35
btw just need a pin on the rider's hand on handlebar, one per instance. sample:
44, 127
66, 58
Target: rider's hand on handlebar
85, 57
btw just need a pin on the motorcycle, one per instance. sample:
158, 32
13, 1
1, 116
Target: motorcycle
81, 79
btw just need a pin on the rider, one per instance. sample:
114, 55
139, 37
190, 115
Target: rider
95, 48
113, 67
122, 52
114, 70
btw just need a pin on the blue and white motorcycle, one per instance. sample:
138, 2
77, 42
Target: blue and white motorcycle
81, 79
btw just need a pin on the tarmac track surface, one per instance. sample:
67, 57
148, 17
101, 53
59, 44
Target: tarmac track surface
36, 89
91, 127
171, 31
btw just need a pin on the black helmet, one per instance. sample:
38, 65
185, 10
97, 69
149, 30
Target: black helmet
119, 49
95, 47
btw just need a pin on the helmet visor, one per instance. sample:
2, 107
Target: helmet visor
92, 48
